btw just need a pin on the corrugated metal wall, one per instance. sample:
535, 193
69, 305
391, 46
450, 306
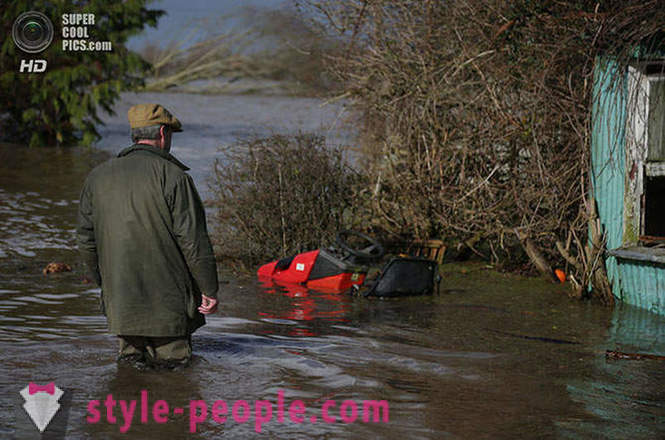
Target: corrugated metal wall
608, 156
634, 282
643, 285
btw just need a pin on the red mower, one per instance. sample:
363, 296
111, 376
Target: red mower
335, 269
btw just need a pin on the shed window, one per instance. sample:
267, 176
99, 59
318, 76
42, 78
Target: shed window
656, 121
654, 207
654, 182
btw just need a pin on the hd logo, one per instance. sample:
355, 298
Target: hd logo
33, 66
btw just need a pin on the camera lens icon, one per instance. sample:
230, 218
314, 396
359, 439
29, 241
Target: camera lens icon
32, 32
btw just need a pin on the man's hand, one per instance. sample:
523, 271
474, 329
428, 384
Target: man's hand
208, 305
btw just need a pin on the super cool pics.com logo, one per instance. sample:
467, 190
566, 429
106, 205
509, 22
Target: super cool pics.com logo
33, 33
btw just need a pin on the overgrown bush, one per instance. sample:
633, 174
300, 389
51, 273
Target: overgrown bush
280, 195
477, 117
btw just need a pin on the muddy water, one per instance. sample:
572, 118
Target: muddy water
492, 356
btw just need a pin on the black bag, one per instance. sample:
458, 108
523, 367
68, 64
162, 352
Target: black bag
405, 276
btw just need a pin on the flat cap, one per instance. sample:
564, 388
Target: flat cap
145, 115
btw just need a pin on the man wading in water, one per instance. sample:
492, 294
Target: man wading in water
142, 234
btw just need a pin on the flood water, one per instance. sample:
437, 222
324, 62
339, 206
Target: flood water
491, 356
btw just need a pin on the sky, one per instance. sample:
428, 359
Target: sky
182, 15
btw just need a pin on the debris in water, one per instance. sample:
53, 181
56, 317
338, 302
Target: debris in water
611, 354
56, 267
561, 275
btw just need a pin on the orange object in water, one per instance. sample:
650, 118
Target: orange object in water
319, 270
561, 275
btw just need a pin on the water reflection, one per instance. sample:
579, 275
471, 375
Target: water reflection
304, 304
127, 386
626, 396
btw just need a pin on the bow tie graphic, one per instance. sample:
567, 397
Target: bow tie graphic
34, 388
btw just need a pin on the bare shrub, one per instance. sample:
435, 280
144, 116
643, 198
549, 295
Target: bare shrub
477, 118
204, 52
281, 195
293, 51
252, 44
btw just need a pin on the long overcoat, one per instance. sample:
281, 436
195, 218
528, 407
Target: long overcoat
142, 235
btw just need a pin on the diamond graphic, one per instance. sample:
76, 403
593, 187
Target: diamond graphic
41, 403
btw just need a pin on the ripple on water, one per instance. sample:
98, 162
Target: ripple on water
40, 317
18, 249
30, 221
227, 322
11, 319
36, 299
83, 320
58, 295
10, 304
279, 321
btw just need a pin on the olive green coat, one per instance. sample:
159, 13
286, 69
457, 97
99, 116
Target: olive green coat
142, 234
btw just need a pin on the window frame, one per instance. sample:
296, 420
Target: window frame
640, 80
